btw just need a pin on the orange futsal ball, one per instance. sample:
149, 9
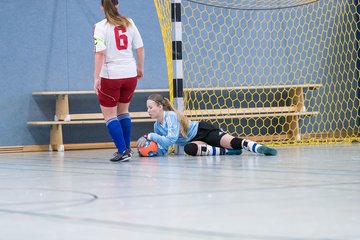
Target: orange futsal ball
149, 149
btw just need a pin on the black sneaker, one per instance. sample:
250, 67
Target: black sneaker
267, 151
122, 157
131, 152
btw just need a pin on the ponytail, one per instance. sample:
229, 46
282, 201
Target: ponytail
112, 14
184, 121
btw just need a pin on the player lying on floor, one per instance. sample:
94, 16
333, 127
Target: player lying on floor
197, 137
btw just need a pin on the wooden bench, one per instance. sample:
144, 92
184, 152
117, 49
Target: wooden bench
63, 115
292, 109
62, 112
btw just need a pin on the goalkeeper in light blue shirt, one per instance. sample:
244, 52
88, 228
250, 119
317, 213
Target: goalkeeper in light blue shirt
198, 137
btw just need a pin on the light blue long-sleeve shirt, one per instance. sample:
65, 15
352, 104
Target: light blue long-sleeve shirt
168, 133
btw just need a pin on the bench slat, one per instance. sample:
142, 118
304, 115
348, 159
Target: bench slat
88, 116
309, 86
306, 114
240, 111
79, 122
201, 114
193, 117
92, 92
196, 113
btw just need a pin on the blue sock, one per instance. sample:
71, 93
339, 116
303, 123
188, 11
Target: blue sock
116, 133
125, 122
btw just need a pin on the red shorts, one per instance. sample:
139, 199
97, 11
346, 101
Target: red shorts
113, 91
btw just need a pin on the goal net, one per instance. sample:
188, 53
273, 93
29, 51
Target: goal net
280, 71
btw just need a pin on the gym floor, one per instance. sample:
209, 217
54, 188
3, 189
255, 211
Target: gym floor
306, 192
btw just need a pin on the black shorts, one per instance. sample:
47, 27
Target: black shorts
209, 134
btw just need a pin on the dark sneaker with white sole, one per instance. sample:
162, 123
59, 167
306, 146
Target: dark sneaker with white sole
267, 151
131, 151
122, 157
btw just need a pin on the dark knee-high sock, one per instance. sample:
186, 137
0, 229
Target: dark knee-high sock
125, 122
115, 130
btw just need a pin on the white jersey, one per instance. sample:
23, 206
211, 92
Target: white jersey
118, 44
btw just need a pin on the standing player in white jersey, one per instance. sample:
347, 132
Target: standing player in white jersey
116, 72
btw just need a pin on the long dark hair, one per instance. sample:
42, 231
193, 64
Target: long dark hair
160, 100
112, 13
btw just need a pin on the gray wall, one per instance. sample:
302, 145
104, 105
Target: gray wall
47, 45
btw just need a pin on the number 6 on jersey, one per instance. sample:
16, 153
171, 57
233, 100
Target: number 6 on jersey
120, 38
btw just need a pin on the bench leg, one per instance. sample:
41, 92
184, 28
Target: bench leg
293, 127
297, 99
62, 108
56, 138
297, 96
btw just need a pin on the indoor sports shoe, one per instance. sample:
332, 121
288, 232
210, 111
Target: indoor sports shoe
122, 157
233, 151
267, 151
131, 152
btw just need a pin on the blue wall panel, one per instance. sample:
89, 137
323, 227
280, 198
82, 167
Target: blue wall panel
48, 46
